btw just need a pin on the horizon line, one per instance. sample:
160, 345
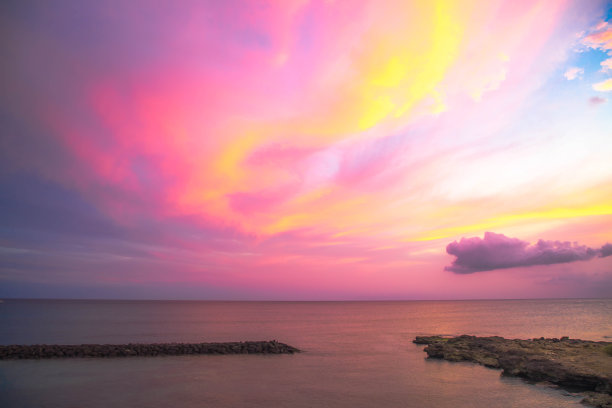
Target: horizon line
300, 300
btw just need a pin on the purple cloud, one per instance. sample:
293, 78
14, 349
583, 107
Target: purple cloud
597, 100
497, 251
606, 250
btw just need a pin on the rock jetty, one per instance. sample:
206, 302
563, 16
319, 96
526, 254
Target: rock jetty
38, 351
575, 365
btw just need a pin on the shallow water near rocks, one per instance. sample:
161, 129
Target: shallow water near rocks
356, 354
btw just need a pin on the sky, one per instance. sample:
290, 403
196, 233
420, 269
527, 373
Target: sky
306, 150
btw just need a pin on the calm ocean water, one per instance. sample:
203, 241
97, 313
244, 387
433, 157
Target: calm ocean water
357, 354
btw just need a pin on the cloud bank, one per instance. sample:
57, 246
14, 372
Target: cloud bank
497, 251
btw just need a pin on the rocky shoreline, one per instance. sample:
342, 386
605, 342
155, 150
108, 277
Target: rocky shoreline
39, 351
575, 365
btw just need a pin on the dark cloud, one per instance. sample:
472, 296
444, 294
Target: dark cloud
606, 250
29, 203
497, 251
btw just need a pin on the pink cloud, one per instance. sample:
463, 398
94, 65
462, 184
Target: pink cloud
278, 154
261, 201
601, 39
597, 100
497, 251
573, 73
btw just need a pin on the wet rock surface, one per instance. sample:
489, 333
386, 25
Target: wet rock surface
575, 365
38, 351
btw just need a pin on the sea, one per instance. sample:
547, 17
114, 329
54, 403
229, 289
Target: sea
355, 354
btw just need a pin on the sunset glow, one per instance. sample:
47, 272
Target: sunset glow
302, 149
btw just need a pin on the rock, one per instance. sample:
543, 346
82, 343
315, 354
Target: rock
576, 365
597, 400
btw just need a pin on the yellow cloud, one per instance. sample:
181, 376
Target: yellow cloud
604, 86
512, 219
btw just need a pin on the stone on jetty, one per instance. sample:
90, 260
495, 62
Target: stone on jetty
38, 351
576, 365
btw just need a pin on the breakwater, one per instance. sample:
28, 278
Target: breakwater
38, 351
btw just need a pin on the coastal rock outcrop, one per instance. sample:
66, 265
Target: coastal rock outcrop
576, 365
38, 351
